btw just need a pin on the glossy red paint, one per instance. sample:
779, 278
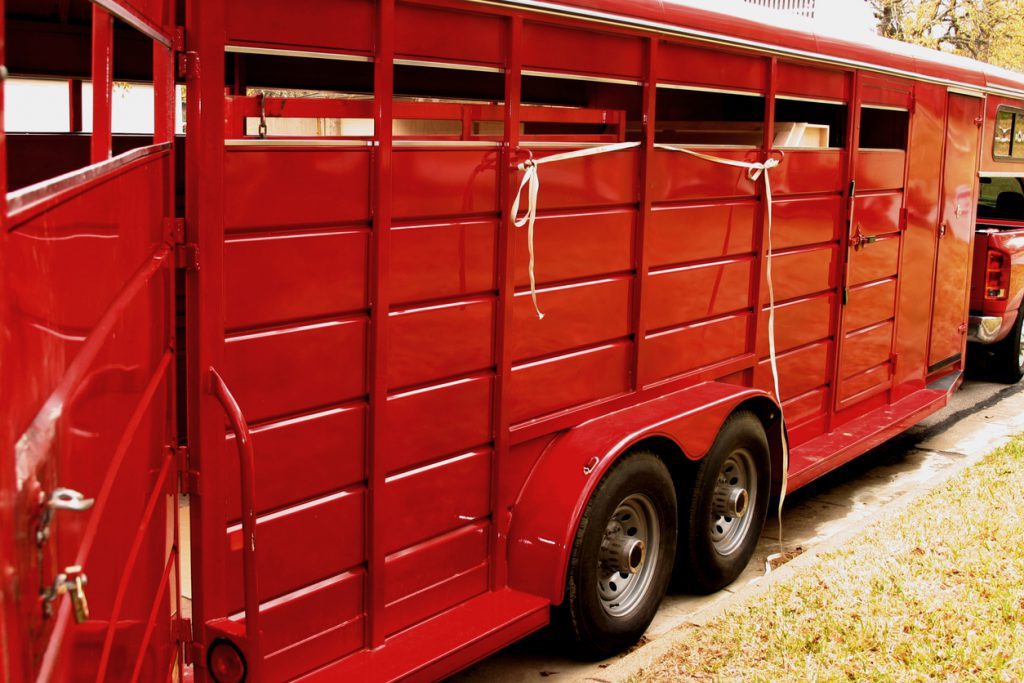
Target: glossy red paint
423, 444
1005, 238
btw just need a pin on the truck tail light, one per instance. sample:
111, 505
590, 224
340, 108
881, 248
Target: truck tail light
997, 275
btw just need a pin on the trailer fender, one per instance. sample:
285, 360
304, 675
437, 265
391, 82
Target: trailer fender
548, 510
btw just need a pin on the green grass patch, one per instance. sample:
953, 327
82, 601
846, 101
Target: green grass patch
935, 593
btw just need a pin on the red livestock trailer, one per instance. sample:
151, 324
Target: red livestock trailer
444, 318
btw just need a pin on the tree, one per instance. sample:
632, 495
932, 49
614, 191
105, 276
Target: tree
989, 30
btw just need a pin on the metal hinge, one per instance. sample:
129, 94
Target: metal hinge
962, 329
904, 218
188, 64
189, 479
182, 633
912, 105
978, 120
894, 358
186, 256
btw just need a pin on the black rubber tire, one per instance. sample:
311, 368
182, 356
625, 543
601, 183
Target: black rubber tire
1004, 361
700, 567
590, 630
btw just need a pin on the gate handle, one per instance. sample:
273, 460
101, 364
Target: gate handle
247, 469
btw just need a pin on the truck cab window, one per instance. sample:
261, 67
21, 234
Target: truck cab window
1001, 198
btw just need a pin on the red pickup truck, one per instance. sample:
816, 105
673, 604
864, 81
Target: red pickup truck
997, 280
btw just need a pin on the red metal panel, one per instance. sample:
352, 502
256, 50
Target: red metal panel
293, 276
442, 260
272, 187
880, 169
959, 195
801, 272
877, 214
455, 589
797, 323
447, 182
548, 385
103, 83
428, 423
870, 304
429, 563
284, 371
691, 65
674, 352
458, 491
555, 48
812, 81
681, 234
345, 25
887, 92
688, 293
865, 349
572, 246
322, 532
804, 222
874, 261
601, 180
800, 371
678, 176
806, 406
313, 626
481, 36
805, 171
861, 386
91, 409
330, 457
440, 341
575, 316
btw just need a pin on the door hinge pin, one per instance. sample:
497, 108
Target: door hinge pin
186, 256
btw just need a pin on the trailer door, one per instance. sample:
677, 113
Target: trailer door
89, 360
955, 231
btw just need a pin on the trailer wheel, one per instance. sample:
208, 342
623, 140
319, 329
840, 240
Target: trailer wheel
621, 558
1008, 354
726, 506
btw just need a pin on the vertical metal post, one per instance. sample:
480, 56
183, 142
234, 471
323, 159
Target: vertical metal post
204, 226
380, 303
163, 93
75, 105
102, 82
754, 326
641, 263
501, 420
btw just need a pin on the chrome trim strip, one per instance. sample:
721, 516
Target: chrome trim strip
813, 100
1003, 174
580, 77
26, 196
698, 88
447, 65
470, 144
608, 19
284, 142
307, 54
135, 21
883, 107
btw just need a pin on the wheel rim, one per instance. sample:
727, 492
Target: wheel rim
733, 499
1020, 349
629, 555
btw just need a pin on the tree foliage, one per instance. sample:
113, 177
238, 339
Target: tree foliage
989, 30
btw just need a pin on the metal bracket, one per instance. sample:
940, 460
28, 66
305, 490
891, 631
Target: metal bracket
60, 499
188, 64
861, 239
186, 256
189, 480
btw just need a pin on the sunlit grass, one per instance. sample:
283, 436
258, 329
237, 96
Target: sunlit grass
936, 593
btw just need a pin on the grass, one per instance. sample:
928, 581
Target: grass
936, 593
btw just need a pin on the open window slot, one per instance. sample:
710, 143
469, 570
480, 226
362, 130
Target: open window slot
348, 118
709, 118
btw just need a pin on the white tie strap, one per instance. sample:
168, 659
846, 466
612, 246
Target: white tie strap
755, 170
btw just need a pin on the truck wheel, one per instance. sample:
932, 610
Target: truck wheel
1008, 354
621, 558
726, 506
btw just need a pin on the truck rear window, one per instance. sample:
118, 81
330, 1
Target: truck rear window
1001, 198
